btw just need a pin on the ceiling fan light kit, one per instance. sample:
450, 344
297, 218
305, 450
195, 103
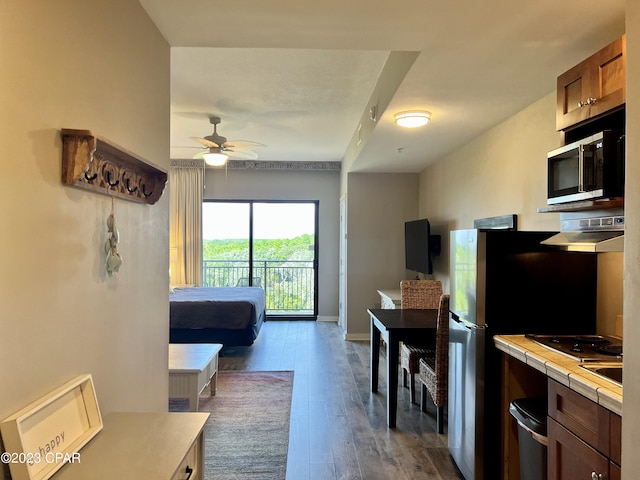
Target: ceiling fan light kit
412, 119
215, 159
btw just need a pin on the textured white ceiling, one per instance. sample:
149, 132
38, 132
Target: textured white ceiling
302, 104
298, 75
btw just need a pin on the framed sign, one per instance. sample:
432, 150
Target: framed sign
40, 438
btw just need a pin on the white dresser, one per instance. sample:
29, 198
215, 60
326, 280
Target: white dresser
142, 446
390, 299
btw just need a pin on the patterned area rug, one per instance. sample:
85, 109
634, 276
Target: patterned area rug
247, 434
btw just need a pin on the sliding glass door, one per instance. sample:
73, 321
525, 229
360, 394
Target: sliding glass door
265, 244
225, 244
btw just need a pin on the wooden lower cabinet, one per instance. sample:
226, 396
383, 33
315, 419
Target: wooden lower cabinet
570, 458
584, 437
615, 472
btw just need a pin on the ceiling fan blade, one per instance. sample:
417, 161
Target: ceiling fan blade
242, 144
248, 155
215, 143
236, 148
205, 142
241, 155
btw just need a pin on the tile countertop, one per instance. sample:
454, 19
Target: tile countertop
562, 369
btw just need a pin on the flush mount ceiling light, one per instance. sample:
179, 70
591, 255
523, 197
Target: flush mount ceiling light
215, 159
412, 119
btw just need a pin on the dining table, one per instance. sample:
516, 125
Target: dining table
395, 326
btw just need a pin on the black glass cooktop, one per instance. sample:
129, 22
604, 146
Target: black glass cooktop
583, 348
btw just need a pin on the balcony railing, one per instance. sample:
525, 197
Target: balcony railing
288, 285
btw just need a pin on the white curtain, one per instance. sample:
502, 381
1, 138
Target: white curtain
186, 180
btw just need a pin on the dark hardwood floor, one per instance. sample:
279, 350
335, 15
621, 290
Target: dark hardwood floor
338, 427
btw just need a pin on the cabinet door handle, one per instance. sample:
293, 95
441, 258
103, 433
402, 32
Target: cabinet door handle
189, 471
597, 476
589, 101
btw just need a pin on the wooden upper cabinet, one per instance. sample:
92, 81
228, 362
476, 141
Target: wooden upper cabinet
593, 87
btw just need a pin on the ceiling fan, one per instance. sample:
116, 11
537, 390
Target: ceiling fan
217, 149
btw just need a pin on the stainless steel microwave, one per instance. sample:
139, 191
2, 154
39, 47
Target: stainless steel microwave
589, 169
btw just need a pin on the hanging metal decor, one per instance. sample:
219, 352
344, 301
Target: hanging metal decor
114, 260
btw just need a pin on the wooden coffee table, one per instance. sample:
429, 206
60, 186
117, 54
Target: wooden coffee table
192, 366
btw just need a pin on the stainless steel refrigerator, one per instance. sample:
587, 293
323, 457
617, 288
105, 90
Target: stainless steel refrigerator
504, 282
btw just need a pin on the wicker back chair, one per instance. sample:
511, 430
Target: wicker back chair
416, 294
434, 371
420, 294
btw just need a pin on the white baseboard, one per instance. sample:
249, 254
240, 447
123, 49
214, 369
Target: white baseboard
357, 337
351, 337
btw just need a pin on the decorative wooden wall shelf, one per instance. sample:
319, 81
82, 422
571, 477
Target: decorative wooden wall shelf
96, 164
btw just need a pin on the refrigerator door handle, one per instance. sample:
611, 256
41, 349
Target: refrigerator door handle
472, 326
466, 324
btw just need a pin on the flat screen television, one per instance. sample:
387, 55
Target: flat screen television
419, 246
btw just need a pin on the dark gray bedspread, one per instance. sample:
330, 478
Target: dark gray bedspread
231, 308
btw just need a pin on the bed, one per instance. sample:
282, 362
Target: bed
231, 316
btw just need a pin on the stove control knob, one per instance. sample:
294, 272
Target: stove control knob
577, 348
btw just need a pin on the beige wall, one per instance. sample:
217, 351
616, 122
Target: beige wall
504, 172
103, 66
293, 185
377, 207
501, 172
